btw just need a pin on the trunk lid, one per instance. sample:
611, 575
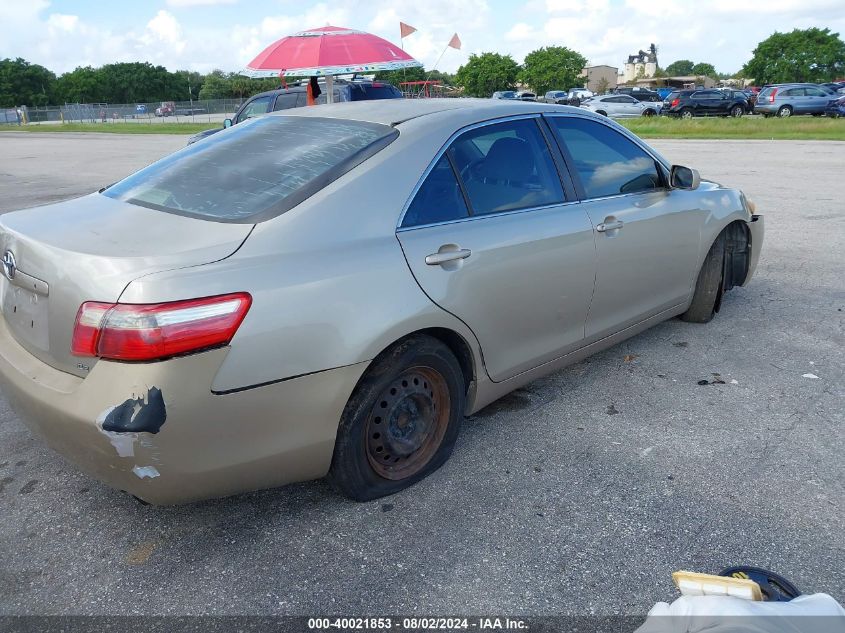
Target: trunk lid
89, 249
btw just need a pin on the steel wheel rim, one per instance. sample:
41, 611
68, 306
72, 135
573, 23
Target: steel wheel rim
407, 423
686, 114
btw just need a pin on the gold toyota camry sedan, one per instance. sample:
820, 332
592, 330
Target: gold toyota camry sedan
329, 291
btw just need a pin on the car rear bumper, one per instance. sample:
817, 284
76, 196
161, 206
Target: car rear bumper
757, 228
766, 109
207, 445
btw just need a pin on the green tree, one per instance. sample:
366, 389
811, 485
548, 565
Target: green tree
552, 67
81, 85
484, 74
22, 83
704, 70
215, 86
680, 68
814, 55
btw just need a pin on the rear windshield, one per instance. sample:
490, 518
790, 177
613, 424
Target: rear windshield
254, 170
764, 93
673, 95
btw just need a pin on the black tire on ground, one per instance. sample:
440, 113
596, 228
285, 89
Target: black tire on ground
649, 113
737, 111
784, 112
687, 113
402, 420
708, 287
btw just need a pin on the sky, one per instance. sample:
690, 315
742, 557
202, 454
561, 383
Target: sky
203, 35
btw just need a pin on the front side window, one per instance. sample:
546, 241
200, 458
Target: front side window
254, 108
439, 198
255, 170
506, 166
607, 163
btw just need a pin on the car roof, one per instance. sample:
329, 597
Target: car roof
397, 111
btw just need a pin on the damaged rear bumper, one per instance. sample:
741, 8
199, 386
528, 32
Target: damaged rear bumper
155, 430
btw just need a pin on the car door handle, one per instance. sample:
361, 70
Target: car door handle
609, 226
443, 257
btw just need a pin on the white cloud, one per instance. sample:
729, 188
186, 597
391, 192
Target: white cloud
197, 3
722, 32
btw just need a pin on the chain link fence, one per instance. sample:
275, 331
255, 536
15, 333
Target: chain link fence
142, 113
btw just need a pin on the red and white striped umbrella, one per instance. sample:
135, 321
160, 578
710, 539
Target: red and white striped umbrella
327, 51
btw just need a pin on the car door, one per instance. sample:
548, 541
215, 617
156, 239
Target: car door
817, 99
491, 237
647, 236
631, 106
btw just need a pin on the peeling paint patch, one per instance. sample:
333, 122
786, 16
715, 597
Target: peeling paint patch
146, 472
144, 414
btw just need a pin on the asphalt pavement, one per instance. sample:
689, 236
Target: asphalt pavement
578, 494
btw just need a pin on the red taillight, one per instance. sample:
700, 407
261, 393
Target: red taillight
674, 103
772, 95
142, 332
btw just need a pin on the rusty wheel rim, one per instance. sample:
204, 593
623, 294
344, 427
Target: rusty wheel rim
407, 423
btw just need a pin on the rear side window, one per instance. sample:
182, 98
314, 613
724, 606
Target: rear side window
607, 163
506, 166
369, 92
439, 199
254, 170
288, 100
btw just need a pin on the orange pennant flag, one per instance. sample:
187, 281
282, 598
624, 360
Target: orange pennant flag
455, 42
405, 30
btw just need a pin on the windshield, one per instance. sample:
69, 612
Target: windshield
254, 170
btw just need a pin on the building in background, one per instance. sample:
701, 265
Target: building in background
639, 66
600, 79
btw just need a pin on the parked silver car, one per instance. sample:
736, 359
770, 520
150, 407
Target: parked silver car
329, 290
621, 106
785, 100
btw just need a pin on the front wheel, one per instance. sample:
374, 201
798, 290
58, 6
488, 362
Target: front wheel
401, 423
737, 111
708, 287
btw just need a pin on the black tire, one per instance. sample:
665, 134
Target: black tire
708, 287
649, 113
406, 385
737, 111
687, 113
784, 112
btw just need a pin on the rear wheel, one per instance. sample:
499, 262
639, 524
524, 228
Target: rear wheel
401, 423
687, 113
784, 112
708, 287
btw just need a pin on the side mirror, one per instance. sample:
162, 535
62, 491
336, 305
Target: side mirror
684, 178
227, 123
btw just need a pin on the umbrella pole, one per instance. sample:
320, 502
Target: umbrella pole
329, 89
